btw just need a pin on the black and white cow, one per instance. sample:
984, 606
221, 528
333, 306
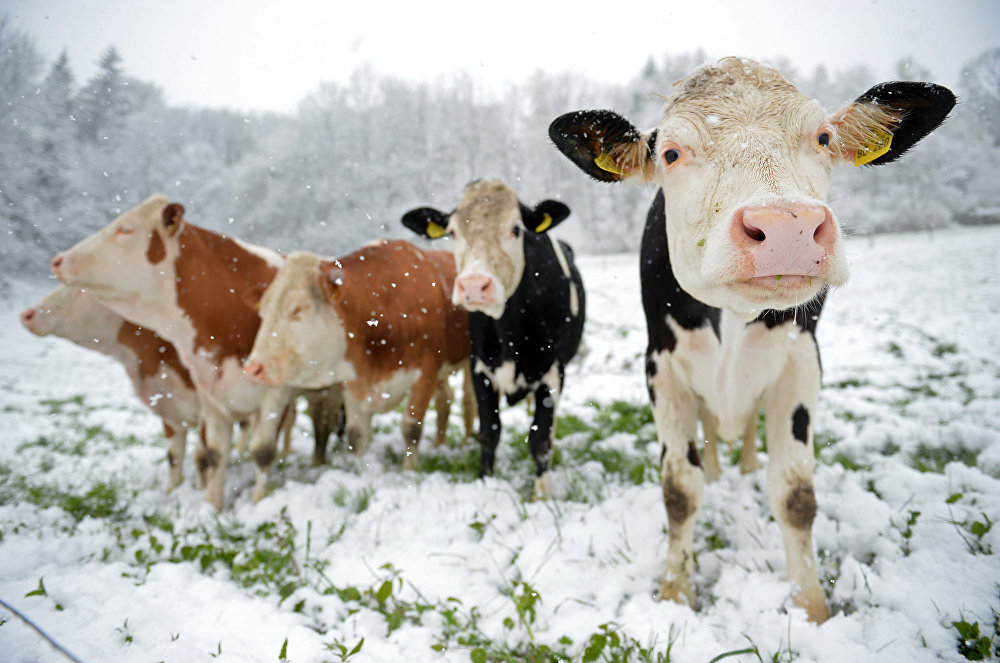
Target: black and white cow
738, 251
526, 303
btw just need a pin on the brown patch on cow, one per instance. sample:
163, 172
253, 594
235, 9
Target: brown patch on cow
157, 251
396, 299
207, 459
676, 501
153, 352
212, 273
800, 506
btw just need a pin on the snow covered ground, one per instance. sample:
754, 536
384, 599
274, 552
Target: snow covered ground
433, 565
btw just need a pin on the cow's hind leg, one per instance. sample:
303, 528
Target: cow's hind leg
543, 429
443, 398
791, 407
413, 419
176, 446
675, 411
710, 458
748, 457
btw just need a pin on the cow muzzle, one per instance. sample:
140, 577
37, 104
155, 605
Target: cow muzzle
475, 291
257, 372
795, 240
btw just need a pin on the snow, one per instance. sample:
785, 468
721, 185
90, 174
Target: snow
910, 356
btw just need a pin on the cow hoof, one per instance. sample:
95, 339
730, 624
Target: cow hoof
712, 474
543, 488
176, 479
216, 501
813, 601
749, 464
410, 461
678, 591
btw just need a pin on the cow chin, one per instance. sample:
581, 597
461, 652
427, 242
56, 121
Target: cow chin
494, 310
751, 296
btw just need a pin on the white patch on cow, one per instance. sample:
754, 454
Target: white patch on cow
388, 394
504, 379
574, 298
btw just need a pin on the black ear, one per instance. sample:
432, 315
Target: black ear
602, 144
427, 222
924, 107
547, 215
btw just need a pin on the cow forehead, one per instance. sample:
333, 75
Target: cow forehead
736, 96
148, 211
296, 274
484, 208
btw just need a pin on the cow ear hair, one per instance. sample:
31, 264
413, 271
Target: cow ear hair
604, 145
173, 217
919, 107
547, 215
427, 222
331, 278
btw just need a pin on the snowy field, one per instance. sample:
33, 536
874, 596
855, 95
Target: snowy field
361, 561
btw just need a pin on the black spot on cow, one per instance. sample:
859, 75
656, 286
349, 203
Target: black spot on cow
800, 424
693, 457
264, 457
676, 501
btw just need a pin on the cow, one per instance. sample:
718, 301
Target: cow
526, 307
737, 254
158, 377
379, 322
190, 285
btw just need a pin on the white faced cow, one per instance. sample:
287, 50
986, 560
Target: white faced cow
160, 380
526, 303
379, 321
738, 251
189, 285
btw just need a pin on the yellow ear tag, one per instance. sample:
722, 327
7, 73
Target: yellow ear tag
544, 225
873, 149
607, 163
435, 230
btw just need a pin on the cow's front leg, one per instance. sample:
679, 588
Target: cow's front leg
543, 430
488, 405
176, 446
675, 413
325, 406
274, 410
710, 431
791, 407
212, 455
413, 419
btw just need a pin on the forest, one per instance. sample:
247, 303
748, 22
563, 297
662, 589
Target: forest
355, 156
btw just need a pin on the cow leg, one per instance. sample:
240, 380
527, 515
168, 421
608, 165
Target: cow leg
541, 436
748, 457
675, 411
791, 407
288, 429
469, 414
488, 406
176, 446
212, 455
273, 411
325, 407
413, 419
359, 423
443, 398
710, 457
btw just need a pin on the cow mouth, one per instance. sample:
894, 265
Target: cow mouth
781, 291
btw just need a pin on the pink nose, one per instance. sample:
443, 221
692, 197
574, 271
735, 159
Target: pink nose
27, 317
475, 289
256, 372
56, 264
785, 241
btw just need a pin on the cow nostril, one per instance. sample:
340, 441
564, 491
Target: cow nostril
57, 261
485, 286
28, 315
753, 232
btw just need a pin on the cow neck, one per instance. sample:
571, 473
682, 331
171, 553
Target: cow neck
152, 350
213, 274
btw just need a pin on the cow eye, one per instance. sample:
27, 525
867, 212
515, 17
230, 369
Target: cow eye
122, 230
515, 231
671, 155
296, 313
823, 138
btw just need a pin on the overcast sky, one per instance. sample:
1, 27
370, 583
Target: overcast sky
256, 55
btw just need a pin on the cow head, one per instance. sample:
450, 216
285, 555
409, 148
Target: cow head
301, 340
489, 227
127, 256
744, 161
70, 313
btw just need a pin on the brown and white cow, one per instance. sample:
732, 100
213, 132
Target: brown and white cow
380, 321
189, 285
159, 378
736, 257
